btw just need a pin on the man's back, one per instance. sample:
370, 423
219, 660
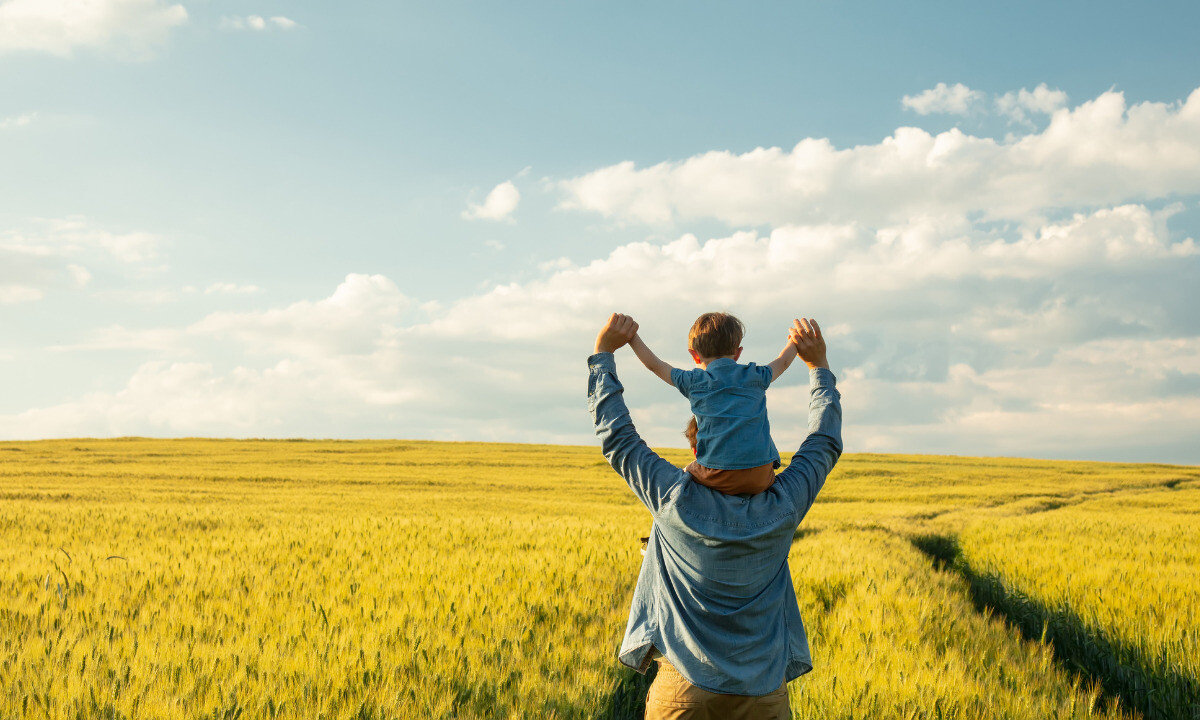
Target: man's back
714, 594
716, 572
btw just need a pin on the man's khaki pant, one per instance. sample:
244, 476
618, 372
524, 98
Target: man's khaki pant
672, 697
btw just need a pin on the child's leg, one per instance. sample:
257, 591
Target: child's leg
749, 481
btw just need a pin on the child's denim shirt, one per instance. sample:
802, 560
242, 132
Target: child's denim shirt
730, 404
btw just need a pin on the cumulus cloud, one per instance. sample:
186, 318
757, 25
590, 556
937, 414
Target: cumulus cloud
939, 330
1099, 153
1053, 316
303, 367
1017, 106
356, 318
499, 204
257, 23
956, 99
60, 27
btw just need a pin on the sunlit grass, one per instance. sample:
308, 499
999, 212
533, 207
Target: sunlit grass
1120, 572
197, 578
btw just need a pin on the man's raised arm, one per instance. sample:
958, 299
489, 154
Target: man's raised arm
805, 475
649, 476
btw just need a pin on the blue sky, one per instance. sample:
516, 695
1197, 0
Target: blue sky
272, 219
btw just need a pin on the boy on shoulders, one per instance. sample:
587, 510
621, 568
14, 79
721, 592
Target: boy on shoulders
734, 451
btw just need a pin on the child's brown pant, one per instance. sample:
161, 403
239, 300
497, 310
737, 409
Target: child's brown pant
749, 481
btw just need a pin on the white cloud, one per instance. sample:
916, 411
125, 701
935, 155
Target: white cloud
257, 22
1013, 414
59, 27
1067, 328
500, 204
74, 235
354, 320
866, 271
46, 254
314, 362
228, 288
956, 99
1099, 153
1042, 100
187, 398
17, 121
1114, 394
250, 22
1121, 235
939, 330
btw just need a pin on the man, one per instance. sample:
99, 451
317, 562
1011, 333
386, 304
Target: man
714, 602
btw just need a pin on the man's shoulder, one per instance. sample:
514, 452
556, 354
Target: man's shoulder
712, 514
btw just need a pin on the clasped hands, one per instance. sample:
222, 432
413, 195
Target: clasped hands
804, 335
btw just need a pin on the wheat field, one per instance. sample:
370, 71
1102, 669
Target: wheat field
392, 579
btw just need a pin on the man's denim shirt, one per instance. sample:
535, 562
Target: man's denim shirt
715, 594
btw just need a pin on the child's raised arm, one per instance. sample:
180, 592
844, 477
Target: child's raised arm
784, 361
651, 361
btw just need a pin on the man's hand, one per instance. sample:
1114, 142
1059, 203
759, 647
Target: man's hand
618, 331
805, 336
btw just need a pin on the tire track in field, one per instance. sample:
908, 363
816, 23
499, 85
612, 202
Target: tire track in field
1156, 694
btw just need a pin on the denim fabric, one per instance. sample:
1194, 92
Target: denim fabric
730, 404
714, 594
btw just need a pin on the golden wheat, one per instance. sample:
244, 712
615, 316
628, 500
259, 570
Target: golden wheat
200, 578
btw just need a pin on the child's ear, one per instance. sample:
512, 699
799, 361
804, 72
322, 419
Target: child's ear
737, 354
696, 356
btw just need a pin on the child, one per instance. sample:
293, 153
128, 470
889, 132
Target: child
734, 451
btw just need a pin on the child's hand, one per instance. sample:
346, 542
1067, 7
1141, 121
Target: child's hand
805, 336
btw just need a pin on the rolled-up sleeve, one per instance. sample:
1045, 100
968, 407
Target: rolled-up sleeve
649, 476
804, 477
765, 374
